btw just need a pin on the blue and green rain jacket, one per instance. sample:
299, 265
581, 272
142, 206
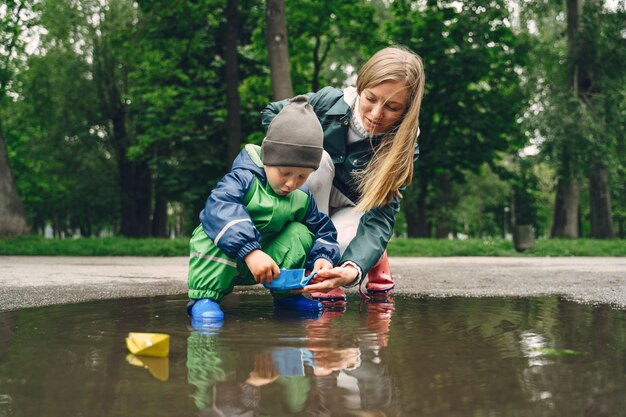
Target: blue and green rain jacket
243, 212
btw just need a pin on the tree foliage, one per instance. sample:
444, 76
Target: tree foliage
577, 89
118, 121
16, 21
473, 96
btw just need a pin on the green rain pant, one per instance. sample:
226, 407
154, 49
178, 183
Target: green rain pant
213, 274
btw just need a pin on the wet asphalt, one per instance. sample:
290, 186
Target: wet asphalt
38, 281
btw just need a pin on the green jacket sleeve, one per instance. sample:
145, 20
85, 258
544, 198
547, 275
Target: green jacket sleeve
270, 111
375, 230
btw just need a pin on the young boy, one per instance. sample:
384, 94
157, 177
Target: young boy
257, 220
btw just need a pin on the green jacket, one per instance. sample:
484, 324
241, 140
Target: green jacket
376, 226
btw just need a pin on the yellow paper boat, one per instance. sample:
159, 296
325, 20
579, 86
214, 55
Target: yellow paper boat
148, 344
158, 367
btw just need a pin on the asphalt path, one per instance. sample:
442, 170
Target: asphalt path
37, 281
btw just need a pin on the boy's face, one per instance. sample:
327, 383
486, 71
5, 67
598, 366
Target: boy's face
284, 180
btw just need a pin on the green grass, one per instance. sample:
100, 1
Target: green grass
119, 246
110, 246
501, 247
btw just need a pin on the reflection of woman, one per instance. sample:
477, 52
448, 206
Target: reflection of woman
352, 378
370, 139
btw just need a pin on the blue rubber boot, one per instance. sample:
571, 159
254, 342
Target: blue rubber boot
206, 310
297, 302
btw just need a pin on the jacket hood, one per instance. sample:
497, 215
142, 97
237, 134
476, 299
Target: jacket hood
250, 159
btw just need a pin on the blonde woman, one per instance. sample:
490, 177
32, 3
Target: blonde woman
370, 144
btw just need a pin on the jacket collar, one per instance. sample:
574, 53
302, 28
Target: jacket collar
250, 159
340, 108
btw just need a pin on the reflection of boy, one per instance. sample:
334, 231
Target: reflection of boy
222, 388
257, 220
281, 381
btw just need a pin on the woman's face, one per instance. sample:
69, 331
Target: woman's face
383, 105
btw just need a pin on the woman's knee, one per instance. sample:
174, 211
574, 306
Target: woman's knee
346, 221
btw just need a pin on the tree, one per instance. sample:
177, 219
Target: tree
110, 36
15, 18
58, 153
131, 98
601, 89
231, 67
278, 49
575, 107
566, 208
12, 219
482, 199
180, 97
331, 41
473, 97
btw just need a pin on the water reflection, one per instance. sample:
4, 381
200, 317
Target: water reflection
532, 346
539, 357
158, 367
317, 367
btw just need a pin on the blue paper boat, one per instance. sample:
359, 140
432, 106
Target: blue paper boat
290, 279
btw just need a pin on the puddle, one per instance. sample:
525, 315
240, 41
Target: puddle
534, 357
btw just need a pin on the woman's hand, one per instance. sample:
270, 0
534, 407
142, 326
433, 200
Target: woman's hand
329, 279
262, 266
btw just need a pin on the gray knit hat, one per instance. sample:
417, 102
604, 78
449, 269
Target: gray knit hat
295, 137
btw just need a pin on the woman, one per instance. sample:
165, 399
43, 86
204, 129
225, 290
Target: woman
370, 143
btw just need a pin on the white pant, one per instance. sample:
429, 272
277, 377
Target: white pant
332, 202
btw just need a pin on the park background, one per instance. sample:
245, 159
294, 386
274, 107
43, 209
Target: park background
118, 117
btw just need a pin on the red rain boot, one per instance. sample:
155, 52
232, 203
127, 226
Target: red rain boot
334, 298
379, 281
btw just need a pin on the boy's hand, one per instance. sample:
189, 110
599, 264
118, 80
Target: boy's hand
262, 266
320, 264
264, 371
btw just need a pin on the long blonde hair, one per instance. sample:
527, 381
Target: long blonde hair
391, 166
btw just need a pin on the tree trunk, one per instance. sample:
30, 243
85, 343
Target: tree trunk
566, 214
444, 202
319, 57
135, 192
415, 213
134, 177
582, 79
233, 102
12, 218
565, 220
136, 198
574, 14
424, 225
409, 207
134, 181
600, 201
277, 47
159, 217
